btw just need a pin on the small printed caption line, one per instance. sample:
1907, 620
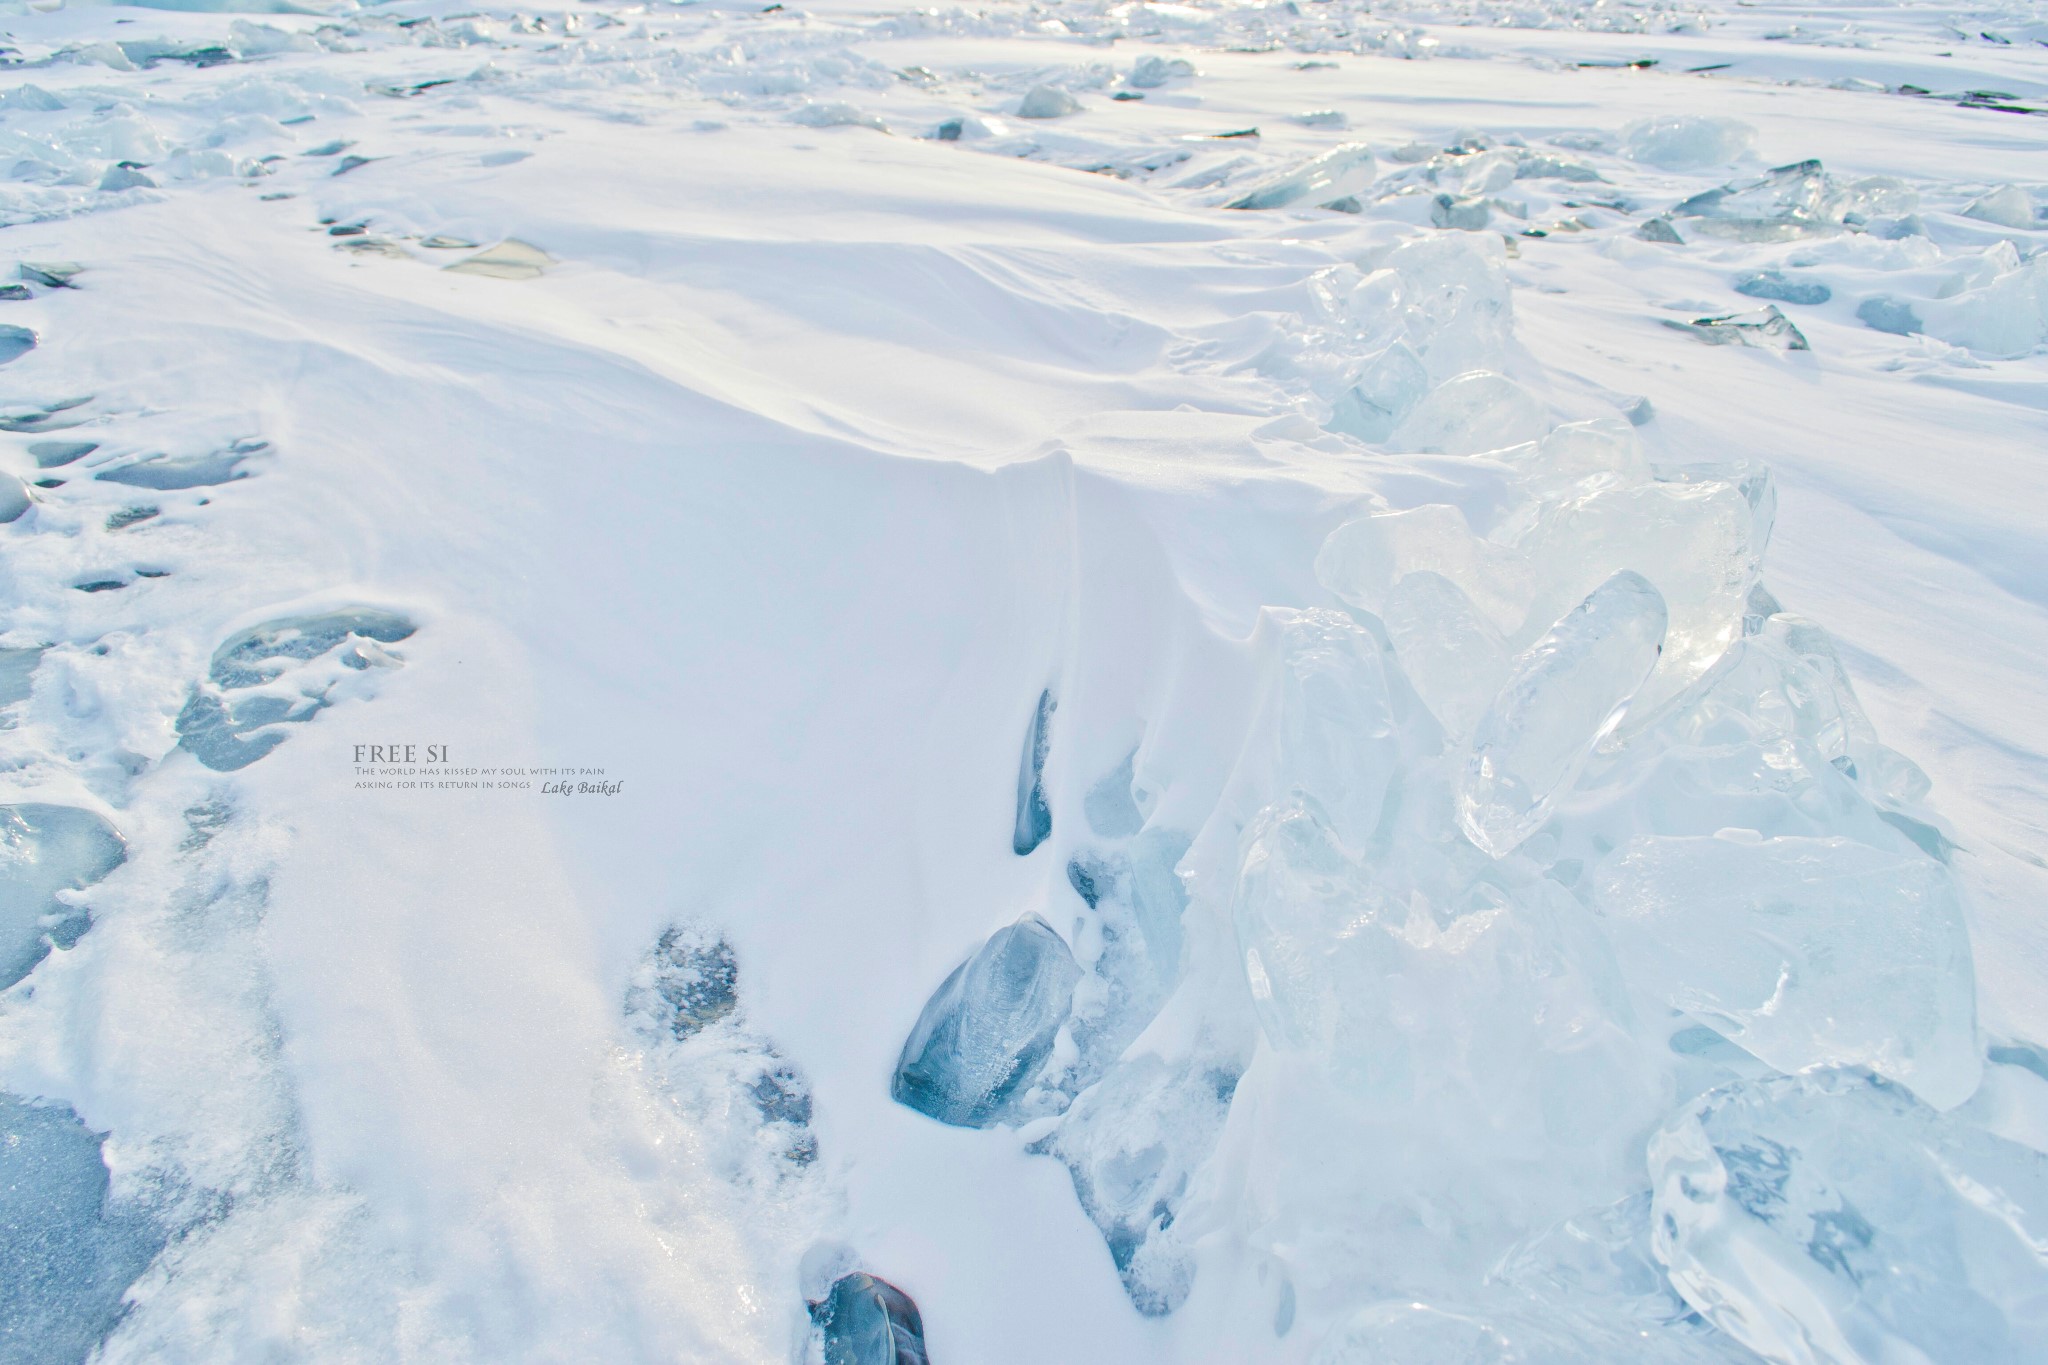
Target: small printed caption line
399, 767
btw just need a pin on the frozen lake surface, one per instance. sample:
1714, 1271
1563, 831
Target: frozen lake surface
1326, 683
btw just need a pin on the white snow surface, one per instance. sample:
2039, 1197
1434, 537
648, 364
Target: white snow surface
814, 413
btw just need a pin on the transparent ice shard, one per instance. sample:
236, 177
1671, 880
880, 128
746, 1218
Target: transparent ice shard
1562, 696
1785, 203
866, 1320
1805, 951
1472, 413
1335, 737
1450, 653
1767, 328
1832, 1217
1298, 892
1133, 1143
1385, 389
510, 259
1776, 285
1341, 171
68, 1252
1034, 813
988, 1030
46, 849
1047, 101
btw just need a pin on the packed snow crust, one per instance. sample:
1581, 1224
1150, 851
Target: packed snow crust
1322, 682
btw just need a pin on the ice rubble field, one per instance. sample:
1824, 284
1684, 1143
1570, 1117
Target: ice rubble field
1304, 683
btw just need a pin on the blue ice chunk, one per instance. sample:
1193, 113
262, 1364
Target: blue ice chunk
1888, 315
989, 1028
226, 737
15, 342
44, 850
1034, 816
868, 1321
67, 1254
260, 653
53, 454
1773, 284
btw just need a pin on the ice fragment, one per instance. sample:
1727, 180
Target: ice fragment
1773, 284
868, 1321
1034, 814
44, 850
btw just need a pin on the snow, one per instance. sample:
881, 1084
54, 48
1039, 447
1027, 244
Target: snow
1239, 411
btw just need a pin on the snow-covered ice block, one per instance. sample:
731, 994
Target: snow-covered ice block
1686, 142
866, 1320
56, 454
46, 849
1806, 951
988, 1030
18, 671
1132, 1143
1562, 696
1767, 328
835, 114
1341, 171
1034, 813
1152, 72
67, 1252
1832, 1219
15, 342
510, 259
165, 473
14, 498
688, 982
1047, 101
2007, 206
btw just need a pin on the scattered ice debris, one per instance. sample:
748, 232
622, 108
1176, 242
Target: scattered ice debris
1047, 101
1767, 328
1563, 695
868, 1321
270, 663
837, 114
1132, 1143
750, 1105
988, 1030
1034, 813
1341, 171
46, 850
2007, 206
1687, 142
1830, 1216
51, 274
1776, 285
71, 1247
15, 342
1886, 314
510, 259
165, 473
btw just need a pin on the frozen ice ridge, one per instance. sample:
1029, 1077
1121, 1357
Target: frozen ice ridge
989, 1029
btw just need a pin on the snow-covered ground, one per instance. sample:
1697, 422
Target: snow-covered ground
1508, 674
